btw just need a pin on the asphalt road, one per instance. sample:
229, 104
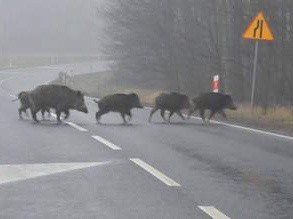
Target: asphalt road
79, 169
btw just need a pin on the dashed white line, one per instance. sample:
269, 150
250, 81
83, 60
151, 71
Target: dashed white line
77, 127
106, 142
213, 212
156, 173
72, 124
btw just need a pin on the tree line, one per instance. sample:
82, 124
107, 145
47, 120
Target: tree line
180, 45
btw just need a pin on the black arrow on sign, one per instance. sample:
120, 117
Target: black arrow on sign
259, 27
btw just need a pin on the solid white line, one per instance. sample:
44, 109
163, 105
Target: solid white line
106, 142
156, 173
250, 129
244, 128
72, 124
213, 212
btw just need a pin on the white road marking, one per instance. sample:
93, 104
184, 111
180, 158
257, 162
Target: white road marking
17, 172
72, 124
213, 212
250, 129
106, 142
156, 173
244, 128
77, 127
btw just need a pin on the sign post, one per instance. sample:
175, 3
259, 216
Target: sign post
257, 30
254, 74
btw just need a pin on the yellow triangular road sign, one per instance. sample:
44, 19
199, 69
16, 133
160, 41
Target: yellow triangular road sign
259, 29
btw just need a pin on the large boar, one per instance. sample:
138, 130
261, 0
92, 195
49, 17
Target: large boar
58, 97
122, 103
173, 102
215, 102
23, 97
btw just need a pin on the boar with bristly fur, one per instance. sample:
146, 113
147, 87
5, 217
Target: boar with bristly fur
58, 97
122, 103
215, 102
23, 98
173, 102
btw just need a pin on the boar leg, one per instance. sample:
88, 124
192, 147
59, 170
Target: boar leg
211, 114
202, 114
223, 114
49, 112
43, 113
163, 114
19, 114
191, 111
129, 114
180, 114
34, 115
58, 113
46, 110
66, 114
170, 114
152, 112
100, 113
123, 116
20, 110
98, 117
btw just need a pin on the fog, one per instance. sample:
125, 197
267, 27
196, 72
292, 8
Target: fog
34, 27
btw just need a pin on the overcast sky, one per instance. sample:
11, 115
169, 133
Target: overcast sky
49, 26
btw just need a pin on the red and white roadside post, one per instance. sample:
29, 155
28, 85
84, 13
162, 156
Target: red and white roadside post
216, 83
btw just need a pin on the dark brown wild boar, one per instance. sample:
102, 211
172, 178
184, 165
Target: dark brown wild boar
23, 97
122, 103
173, 102
58, 97
215, 102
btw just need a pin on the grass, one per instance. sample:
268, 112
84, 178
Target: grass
276, 118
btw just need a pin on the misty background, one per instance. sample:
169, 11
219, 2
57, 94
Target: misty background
164, 45
45, 27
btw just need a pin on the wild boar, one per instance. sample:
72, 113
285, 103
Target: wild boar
173, 102
23, 97
58, 97
122, 103
215, 102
